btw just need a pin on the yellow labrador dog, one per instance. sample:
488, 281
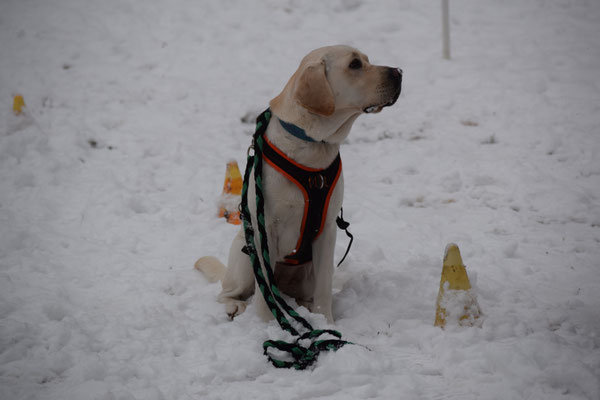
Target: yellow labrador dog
310, 119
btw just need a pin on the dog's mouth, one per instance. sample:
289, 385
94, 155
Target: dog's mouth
374, 109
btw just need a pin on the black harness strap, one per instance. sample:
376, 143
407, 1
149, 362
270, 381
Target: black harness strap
343, 224
316, 185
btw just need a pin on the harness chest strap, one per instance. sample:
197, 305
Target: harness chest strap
317, 186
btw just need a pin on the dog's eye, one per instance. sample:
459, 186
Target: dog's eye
355, 64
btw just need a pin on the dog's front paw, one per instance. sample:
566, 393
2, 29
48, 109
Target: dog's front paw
234, 308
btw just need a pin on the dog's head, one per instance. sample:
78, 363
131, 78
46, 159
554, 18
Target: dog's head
337, 83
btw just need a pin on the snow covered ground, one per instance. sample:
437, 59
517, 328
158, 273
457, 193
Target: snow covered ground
108, 189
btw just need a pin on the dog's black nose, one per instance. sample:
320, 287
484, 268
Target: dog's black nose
395, 73
395, 77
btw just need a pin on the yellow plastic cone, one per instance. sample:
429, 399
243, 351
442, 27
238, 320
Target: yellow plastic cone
456, 299
232, 189
18, 104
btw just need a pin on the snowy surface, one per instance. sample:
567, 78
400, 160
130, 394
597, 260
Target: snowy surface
109, 183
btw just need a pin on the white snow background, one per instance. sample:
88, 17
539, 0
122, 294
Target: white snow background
108, 189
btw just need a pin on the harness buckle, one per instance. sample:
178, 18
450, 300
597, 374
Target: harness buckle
317, 181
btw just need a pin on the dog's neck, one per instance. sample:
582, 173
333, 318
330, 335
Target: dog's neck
332, 128
327, 132
310, 154
296, 131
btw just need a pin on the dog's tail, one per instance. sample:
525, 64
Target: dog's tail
213, 269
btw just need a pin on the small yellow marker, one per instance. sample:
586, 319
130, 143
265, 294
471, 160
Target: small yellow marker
232, 189
456, 299
18, 104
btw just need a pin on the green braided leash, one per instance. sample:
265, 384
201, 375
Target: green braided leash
302, 356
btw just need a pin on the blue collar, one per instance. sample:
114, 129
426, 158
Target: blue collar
296, 131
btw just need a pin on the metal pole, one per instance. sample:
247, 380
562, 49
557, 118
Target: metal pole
445, 30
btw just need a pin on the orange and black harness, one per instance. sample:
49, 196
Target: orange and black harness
316, 185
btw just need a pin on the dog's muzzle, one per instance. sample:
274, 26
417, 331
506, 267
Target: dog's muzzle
394, 87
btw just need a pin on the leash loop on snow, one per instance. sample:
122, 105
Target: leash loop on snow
302, 356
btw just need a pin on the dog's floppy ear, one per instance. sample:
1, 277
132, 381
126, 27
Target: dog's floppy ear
313, 91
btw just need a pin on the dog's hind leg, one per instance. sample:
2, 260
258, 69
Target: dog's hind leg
238, 280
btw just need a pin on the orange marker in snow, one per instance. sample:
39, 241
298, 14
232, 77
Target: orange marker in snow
230, 198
